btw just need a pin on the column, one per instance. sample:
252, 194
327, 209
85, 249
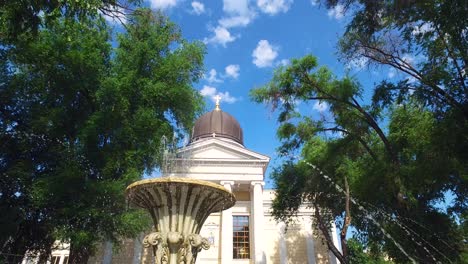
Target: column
283, 251
309, 240
257, 213
226, 229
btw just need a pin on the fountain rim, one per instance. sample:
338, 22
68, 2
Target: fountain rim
175, 180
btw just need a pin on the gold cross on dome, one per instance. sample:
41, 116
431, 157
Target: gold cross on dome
218, 98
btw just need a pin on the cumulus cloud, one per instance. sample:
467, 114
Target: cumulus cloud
238, 14
212, 93
320, 106
337, 12
235, 21
264, 54
198, 8
273, 7
283, 62
221, 36
422, 29
226, 97
163, 4
232, 70
358, 63
212, 77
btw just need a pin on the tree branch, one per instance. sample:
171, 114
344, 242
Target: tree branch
400, 64
363, 143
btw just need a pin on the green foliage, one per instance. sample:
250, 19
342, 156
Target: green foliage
399, 162
80, 120
404, 152
425, 40
358, 254
19, 17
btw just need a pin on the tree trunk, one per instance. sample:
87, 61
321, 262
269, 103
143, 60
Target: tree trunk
328, 238
43, 257
79, 255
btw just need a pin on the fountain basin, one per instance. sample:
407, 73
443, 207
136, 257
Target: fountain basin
178, 207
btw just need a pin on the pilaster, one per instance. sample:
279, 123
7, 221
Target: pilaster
333, 234
226, 229
283, 252
257, 213
309, 240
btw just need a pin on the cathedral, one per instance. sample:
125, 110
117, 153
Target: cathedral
245, 233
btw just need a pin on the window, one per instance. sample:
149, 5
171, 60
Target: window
241, 239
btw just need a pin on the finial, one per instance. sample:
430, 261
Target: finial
218, 98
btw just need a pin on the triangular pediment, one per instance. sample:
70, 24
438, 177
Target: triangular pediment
218, 149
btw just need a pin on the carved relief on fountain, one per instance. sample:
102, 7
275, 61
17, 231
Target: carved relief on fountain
178, 207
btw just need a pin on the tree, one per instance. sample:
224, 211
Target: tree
359, 255
19, 17
425, 40
404, 151
387, 175
80, 120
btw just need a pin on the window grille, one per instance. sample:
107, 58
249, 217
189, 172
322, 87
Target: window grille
241, 237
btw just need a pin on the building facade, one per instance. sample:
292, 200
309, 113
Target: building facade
247, 232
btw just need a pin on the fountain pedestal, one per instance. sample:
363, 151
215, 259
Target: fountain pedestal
178, 207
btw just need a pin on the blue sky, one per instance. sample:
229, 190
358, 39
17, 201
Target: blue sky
247, 39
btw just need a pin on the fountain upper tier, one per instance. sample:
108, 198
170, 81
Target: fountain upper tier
179, 204
179, 207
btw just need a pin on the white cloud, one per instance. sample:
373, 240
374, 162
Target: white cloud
235, 21
226, 97
212, 77
358, 63
236, 6
283, 62
320, 106
163, 4
232, 70
212, 93
424, 28
314, 2
264, 54
408, 58
273, 7
221, 36
337, 12
391, 73
208, 91
198, 8
239, 14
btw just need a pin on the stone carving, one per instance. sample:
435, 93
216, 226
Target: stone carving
158, 242
178, 206
187, 248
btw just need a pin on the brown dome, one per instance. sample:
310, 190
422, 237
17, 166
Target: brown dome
221, 124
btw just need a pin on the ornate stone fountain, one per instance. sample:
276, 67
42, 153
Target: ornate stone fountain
179, 207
